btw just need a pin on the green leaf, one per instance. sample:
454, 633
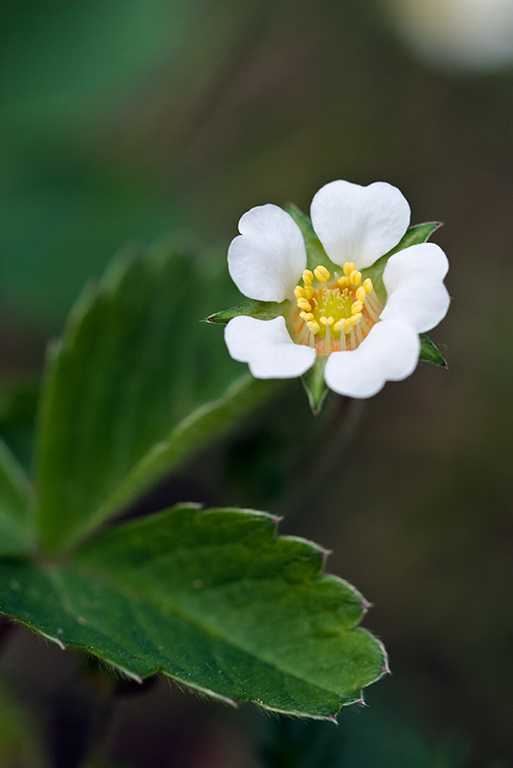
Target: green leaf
315, 385
118, 401
15, 505
414, 235
262, 310
214, 600
315, 253
429, 352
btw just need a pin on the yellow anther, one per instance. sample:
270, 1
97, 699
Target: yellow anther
356, 307
306, 315
304, 304
360, 294
309, 292
343, 282
322, 274
367, 285
307, 276
355, 277
299, 292
327, 320
354, 320
339, 325
348, 268
313, 326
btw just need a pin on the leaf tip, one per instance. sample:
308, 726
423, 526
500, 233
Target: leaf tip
365, 605
385, 669
131, 675
54, 640
324, 554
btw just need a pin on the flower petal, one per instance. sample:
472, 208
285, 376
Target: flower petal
359, 224
389, 353
267, 347
266, 260
413, 280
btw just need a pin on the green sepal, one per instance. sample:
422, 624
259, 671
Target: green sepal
414, 235
213, 599
315, 384
261, 310
429, 353
315, 253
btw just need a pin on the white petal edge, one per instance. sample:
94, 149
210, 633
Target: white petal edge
413, 280
266, 260
267, 347
389, 353
359, 224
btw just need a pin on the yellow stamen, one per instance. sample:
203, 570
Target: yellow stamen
327, 320
339, 325
355, 277
309, 292
322, 274
348, 268
299, 292
304, 304
343, 282
356, 307
306, 315
313, 326
307, 276
360, 294
367, 285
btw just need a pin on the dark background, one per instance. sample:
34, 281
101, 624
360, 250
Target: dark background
133, 120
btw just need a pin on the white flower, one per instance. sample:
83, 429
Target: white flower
367, 337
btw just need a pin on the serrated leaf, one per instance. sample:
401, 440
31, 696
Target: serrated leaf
414, 235
315, 384
429, 352
214, 600
15, 504
119, 399
262, 310
315, 253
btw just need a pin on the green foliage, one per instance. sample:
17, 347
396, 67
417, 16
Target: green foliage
14, 505
214, 600
133, 364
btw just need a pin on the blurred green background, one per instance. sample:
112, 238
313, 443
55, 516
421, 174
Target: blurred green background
141, 119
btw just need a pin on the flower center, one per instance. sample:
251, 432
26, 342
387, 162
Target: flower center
336, 312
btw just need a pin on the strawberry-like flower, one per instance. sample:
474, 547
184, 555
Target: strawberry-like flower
358, 312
